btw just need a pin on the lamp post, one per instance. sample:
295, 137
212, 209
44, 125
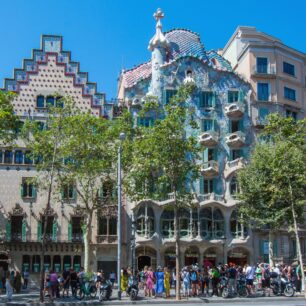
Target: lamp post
121, 137
133, 243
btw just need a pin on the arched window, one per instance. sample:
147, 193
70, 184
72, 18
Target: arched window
184, 221
212, 223
234, 188
145, 221
167, 223
40, 101
238, 229
50, 101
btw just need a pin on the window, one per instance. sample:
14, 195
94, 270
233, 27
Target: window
232, 96
28, 160
263, 91
262, 65
208, 125
112, 226
8, 157
169, 93
145, 121
41, 125
51, 228
68, 192
289, 93
59, 102
102, 228
209, 154
288, 68
292, 114
263, 113
40, 101
211, 223
235, 126
108, 190
1, 156
238, 229
76, 229
50, 101
235, 154
206, 186
28, 189
145, 221
167, 224
207, 99
234, 188
184, 220
18, 157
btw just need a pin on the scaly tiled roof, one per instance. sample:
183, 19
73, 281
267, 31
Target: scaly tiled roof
182, 43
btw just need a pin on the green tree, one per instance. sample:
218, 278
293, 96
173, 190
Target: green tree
273, 184
8, 120
164, 159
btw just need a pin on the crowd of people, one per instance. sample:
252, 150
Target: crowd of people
194, 280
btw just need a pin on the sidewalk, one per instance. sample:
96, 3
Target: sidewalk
32, 299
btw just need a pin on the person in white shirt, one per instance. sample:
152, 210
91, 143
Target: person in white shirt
249, 276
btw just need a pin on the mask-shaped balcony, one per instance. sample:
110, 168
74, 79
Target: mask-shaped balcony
210, 169
234, 110
235, 140
208, 138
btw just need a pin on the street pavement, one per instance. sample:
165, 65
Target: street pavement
32, 299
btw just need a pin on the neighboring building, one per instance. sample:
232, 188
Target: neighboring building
211, 231
48, 75
277, 74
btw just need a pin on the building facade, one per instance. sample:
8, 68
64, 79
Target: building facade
277, 75
210, 232
48, 75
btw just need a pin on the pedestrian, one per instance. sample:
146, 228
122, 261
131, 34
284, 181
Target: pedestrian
185, 275
9, 286
232, 275
249, 276
2, 279
73, 281
298, 282
160, 278
204, 281
194, 280
124, 280
145, 270
215, 277
53, 284
17, 282
167, 281
12, 278
174, 278
259, 275
150, 279
66, 282
112, 277
26, 276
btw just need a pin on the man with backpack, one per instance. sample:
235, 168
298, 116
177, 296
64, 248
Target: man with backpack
194, 280
232, 275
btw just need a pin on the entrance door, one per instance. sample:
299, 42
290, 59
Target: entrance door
237, 261
107, 267
4, 262
190, 260
143, 261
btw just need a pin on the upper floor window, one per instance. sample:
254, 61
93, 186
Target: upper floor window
288, 68
263, 113
263, 91
28, 189
208, 125
207, 99
232, 96
145, 221
145, 121
292, 114
68, 192
8, 157
18, 157
207, 186
235, 154
169, 93
262, 65
50, 101
289, 93
40, 101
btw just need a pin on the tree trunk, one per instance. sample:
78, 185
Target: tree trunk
271, 261
87, 241
177, 251
297, 238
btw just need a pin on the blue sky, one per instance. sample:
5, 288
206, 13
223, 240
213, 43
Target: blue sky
108, 35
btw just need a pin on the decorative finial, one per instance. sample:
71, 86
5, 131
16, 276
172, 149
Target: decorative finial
159, 37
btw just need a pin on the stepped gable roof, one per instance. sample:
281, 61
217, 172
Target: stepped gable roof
182, 43
52, 45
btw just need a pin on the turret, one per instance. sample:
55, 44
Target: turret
158, 46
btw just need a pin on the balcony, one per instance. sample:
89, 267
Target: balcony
210, 169
234, 110
211, 197
111, 239
268, 71
209, 138
233, 165
235, 140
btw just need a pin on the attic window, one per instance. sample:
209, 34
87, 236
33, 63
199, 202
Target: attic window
189, 73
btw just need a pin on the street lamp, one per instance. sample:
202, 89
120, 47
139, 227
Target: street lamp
133, 243
121, 137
